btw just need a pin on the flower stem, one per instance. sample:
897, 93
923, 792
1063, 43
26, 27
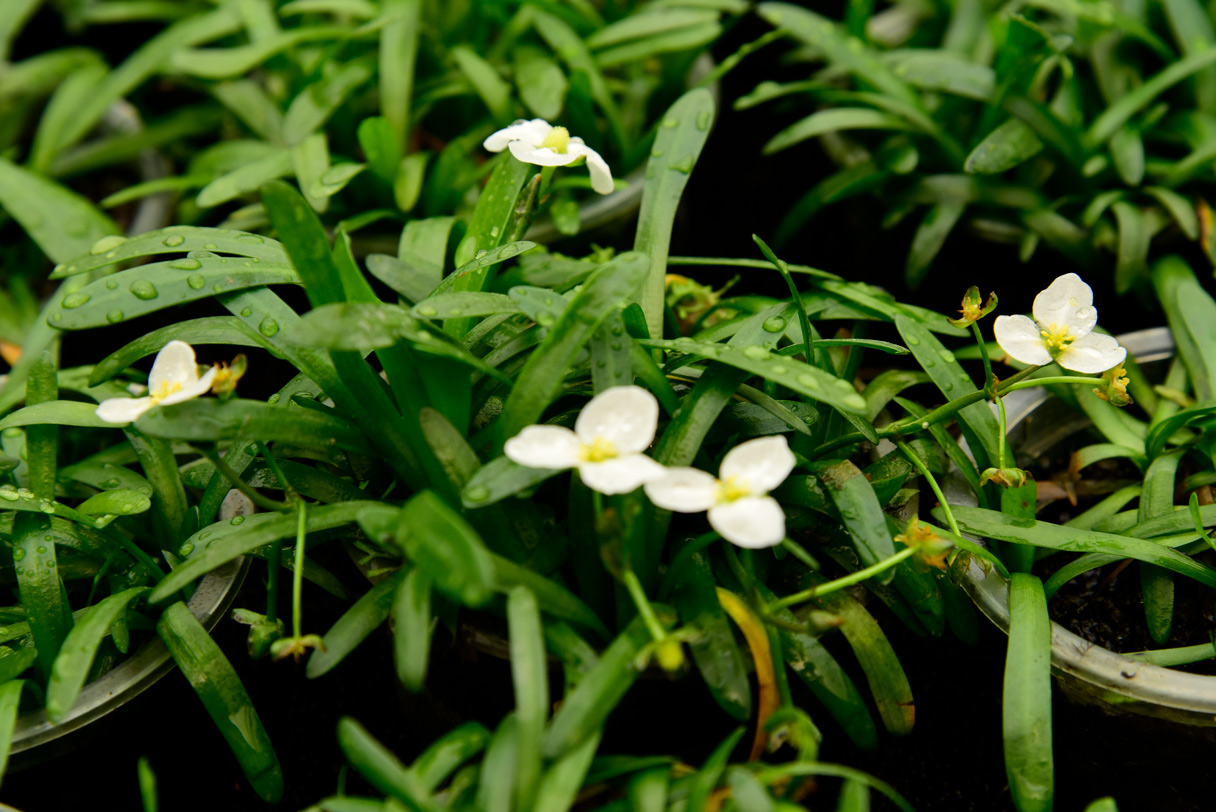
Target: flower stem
241, 485
928, 475
297, 574
846, 581
1054, 379
273, 465
644, 608
274, 563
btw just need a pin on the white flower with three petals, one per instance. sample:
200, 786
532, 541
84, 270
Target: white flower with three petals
174, 378
737, 501
606, 446
539, 142
1061, 331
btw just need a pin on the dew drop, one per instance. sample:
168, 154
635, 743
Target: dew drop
211, 246
246, 311
173, 240
684, 166
427, 311
947, 356
756, 352
76, 299
477, 494
236, 520
111, 284
775, 324
18, 553
143, 289
187, 264
185, 550
703, 120
196, 281
41, 550
250, 239
808, 380
107, 244
114, 316
268, 327
913, 340
779, 369
671, 122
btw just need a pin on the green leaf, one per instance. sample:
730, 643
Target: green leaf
129, 294
314, 104
559, 788
10, 701
529, 676
494, 91
1026, 704
412, 627
1192, 318
398, 56
246, 179
688, 38
117, 502
554, 599
706, 779
220, 543
860, 511
57, 412
977, 421
541, 83
1134, 236
1010, 144
39, 586
80, 647
174, 240
677, 146
929, 238
806, 380
834, 120
539, 383
224, 697
1054, 537
356, 623
61, 222
209, 420
500, 478
714, 650
439, 541
1119, 113
585, 709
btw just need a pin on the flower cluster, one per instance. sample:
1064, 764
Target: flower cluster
606, 447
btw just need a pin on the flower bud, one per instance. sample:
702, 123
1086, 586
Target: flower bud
972, 311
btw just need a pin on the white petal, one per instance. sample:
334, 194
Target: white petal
626, 416
123, 410
760, 465
754, 521
1020, 337
601, 175
541, 156
174, 364
619, 474
544, 447
684, 490
191, 391
1067, 302
531, 132
1092, 353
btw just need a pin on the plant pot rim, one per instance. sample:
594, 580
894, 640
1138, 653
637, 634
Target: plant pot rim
36, 738
1094, 673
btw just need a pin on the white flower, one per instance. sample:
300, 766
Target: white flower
174, 378
1062, 330
539, 142
606, 446
740, 509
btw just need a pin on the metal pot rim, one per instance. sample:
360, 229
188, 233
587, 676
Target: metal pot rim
1071, 654
210, 602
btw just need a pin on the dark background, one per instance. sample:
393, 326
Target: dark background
952, 761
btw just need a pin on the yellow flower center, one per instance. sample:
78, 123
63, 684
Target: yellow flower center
598, 450
557, 140
164, 390
1056, 338
731, 489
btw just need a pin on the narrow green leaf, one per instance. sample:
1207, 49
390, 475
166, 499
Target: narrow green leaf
413, 623
1026, 705
356, 623
80, 647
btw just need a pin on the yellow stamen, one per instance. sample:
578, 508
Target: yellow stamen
731, 489
164, 390
557, 140
1056, 338
598, 450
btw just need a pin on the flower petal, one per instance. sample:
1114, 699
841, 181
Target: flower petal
174, 365
627, 416
1020, 337
191, 391
760, 465
601, 175
619, 474
754, 521
541, 156
1094, 352
123, 410
544, 447
684, 490
531, 132
1067, 302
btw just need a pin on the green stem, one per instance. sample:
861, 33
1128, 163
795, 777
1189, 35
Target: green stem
1002, 423
241, 485
1053, 379
848, 580
644, 608
928, 475
275, 563
297, 574
903, 427
273, 465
